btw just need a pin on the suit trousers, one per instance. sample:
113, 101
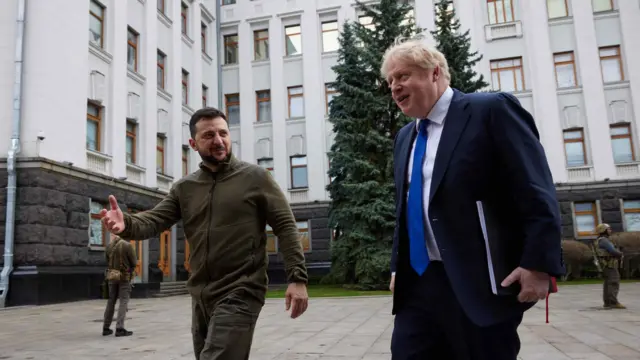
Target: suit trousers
430, 324
118, 290
224, 332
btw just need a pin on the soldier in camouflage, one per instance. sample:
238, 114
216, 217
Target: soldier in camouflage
609, 257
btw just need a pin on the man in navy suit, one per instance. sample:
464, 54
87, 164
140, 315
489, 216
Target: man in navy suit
478, 228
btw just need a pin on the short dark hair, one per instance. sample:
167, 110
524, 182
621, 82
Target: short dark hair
204, 113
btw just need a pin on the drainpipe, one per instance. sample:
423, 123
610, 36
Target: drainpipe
220, 54
11, 158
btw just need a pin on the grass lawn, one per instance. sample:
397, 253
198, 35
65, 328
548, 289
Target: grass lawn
328, 291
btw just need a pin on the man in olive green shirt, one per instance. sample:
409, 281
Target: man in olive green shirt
225, 207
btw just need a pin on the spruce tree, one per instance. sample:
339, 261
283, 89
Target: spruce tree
456, 48
365, 121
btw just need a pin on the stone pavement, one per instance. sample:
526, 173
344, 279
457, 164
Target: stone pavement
332, 328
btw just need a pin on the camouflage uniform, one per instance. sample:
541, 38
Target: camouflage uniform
609, 257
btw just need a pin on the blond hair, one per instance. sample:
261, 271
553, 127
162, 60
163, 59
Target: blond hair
418, 52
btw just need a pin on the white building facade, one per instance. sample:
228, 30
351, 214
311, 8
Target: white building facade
109, 87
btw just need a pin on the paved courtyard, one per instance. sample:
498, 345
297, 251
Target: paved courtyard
332, 328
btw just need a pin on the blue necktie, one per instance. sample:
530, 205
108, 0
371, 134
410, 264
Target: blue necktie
415, 207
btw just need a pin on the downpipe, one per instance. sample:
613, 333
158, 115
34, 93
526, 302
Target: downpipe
12, 154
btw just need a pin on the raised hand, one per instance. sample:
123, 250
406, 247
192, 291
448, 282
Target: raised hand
113, 218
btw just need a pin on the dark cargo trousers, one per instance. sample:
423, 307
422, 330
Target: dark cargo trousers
118, 290
611, 286
226, 331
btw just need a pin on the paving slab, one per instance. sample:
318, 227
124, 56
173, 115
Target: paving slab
332, 328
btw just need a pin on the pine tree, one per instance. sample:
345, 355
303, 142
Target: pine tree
456, 49
365, 120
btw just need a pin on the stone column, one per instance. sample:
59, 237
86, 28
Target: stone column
118, 95
278, 99
314, 108
148, 125
198, 79
593, 90
173, 144
247, 94
543, 84
630, 26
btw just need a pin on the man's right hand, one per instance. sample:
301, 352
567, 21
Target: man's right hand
113, 218
392, 284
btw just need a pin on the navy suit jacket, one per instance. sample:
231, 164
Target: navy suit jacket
489, 152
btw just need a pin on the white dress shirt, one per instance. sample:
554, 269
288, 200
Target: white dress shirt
434, 132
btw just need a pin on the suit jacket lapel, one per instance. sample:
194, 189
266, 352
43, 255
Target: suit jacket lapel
455, 122
402, 170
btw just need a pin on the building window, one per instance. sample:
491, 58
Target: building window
205, 92
132, 130
507, 75
96, 23
228, 2
94, 125
185, 160
185, 86
622, 144
330, 36
132, 49
565, 65
231, 49
574, 147
611, 64
261, 44
586, 215
299, 172
162, 59
293, 38
184, 15
631, 209
272, 241
296, 102
305, 239
97, 232
263, 105
203, 37
367, 22
557, 8
329, 93
160, 161
602, 5
500, 11
161, 6
232, 103
267, 163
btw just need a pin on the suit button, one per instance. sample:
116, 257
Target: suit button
434, 219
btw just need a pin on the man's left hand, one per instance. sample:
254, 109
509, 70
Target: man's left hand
296, 299
534, 285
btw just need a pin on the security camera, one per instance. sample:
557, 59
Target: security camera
41, 135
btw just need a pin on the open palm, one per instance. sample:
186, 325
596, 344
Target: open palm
113, 218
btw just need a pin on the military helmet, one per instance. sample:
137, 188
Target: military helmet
602, 228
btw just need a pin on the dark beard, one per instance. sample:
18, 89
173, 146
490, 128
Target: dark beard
211, 160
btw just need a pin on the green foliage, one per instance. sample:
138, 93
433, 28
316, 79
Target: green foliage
365, 121
456, 47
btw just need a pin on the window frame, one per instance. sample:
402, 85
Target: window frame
258, 101
504, 12
625, 211
228, 103
256, 42
323, 31
161, 6
286, 37
134, 45
203, 36
185, 86
185, 160
628, 135
581, 140
566, 10
600, 11
231, 44
291, 167
184, 18
572, 62
133, 136
160, 144
98, 121
290, 96
327, 92
205, 90
593, 213
512, 68
617, 56
101, 19
96, 216
161, 66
